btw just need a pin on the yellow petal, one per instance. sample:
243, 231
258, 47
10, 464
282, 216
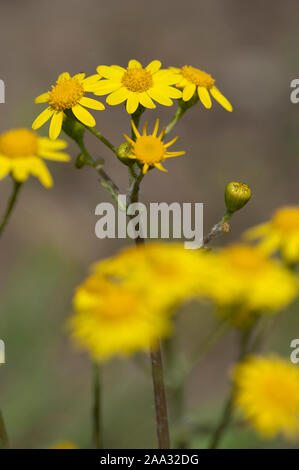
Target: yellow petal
160, 167
40, 170
79, 76
109, 72
257, 231
132, 103
63, 76
83, 115
171, 142
170, 91
104, 87
175, 154
134, 64
220, 98
46, 144
56, 125
5, 167
158, 96
145, 168
91, 103
118, 96
42, 118
44, 98
153, 66
155, 131
290, 249
21, 168
204, 97
56, 156
146, 101
188, 91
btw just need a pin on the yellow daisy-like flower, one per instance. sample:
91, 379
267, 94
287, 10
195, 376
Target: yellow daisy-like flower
167, 271
190, 78
68, 94
137, 85
22, 152
267, 393
280, 233
243, 280
116, 319
150, 150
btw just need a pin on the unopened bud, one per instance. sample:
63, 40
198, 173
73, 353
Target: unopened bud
236, 196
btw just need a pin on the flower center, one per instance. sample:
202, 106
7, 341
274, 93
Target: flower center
245, 259
19, 143
117, 305
286, 220
149, 149
137, 80
66, 94
198, 77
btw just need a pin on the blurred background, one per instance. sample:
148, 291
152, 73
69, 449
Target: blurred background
252, 50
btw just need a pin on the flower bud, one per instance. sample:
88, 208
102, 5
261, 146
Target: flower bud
236, 196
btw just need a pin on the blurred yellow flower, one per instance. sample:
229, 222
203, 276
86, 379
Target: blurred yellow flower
280, 233
150, 150
68, 94
267, 393
64, 445
244, 280
137, 85
22, 152
190, 78
116, 319
167, 271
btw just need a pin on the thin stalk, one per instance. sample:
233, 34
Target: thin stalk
96, 408
4, 441
11, 204
103, 139
227, 412
179, 113
155, 353
217, 229
160, 398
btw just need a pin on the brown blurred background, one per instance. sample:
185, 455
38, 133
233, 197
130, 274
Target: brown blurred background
252, 49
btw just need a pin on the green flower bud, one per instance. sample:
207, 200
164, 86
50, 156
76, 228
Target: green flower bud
236, 196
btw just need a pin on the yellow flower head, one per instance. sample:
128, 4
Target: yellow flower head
64, 445
190, 78
244, 280
137, 85
267, 393
22, 152
68, 94
116, 319
280, 233
150, 150
166, 271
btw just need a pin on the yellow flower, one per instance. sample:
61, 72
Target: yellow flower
267, 393
137, 85
280, 233
244, 281
64, 445
68, 94
22, 152
190, 78
167, 271
150, 150
116, 319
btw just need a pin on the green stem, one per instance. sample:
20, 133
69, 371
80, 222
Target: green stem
217, 229
179, 113
4, 441
11, 204
160, 398
227, 412
103, 139
96, 409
